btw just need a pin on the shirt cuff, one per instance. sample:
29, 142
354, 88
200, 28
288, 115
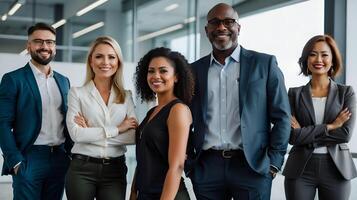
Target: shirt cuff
274, 168
17, 165
111, 131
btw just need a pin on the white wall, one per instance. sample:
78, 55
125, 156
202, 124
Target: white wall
351, 59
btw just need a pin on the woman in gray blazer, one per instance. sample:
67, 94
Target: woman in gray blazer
323, 116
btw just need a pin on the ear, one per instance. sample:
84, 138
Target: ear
238, 27
206, 31
176, 78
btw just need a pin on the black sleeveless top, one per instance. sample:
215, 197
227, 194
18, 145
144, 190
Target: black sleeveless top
152, 146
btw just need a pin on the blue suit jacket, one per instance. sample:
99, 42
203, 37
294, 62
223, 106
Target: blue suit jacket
263, 101
21, 114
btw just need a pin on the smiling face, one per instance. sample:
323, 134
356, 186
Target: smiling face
222, 35
319, 61
104, 61
161, 76
41, 46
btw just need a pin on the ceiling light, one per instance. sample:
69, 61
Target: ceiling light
189, 20
4, 17
88, 29
14, 8
59, 23
171, 7
160, 32
90, 7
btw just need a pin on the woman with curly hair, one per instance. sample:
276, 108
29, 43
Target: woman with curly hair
161, 138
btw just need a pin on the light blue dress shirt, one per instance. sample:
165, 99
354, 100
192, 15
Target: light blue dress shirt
223, 118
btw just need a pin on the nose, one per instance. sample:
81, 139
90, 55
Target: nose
221, 26
106, 60
319, 57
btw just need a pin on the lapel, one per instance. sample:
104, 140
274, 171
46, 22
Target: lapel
331, 100
307, 101
62, 88
202, 72
244, 75
34, 88
96, 95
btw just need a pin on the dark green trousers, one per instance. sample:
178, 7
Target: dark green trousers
87, 180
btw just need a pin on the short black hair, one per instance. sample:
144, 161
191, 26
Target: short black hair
41, 26
184, 87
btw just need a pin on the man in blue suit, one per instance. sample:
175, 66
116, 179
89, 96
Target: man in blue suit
241, 116
33, 135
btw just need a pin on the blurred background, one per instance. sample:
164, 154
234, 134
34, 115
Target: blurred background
278, 27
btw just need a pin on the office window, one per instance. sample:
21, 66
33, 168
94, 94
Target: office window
283, 32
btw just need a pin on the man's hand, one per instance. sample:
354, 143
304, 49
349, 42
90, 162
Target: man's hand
16, 169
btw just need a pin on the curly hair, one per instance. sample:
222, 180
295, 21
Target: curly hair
336, 55
184, 87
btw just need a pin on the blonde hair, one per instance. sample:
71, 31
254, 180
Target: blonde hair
118, 76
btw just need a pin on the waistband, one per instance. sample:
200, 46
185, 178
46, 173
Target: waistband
104, 161
47, 147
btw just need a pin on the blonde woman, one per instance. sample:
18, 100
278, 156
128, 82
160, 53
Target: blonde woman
101, 121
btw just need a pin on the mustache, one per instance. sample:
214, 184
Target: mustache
44, 50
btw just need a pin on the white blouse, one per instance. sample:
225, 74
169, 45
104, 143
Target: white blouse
319, 109
101, 139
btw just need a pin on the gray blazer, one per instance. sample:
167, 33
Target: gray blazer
310, 136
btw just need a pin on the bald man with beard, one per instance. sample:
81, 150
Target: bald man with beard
241, 116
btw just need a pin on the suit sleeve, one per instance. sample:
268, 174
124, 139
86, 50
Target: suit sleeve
344, 133
306, 134
279, 112
89, 134
8, 95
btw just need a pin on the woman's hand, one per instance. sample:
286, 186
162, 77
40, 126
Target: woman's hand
294, 123
342, 117
81, 121
128, 123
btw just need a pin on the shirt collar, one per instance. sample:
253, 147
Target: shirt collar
235, 55
38, 73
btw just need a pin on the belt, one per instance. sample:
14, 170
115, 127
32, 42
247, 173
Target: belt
227, 153
48, 148
104, 161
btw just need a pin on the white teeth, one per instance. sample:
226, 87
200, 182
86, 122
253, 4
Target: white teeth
156, 83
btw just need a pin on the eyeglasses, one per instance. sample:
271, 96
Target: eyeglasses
228, 23
39, 42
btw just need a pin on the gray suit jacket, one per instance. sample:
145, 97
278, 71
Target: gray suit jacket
310, 136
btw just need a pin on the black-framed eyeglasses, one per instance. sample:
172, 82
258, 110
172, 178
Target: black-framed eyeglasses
49, 43
228, 23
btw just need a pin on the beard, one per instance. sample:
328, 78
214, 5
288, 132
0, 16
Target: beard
223, 47
35, 55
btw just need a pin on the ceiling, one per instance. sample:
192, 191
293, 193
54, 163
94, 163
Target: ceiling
150, 17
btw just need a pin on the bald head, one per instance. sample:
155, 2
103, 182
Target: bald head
222, 8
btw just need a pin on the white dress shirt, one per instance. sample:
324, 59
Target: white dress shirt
51, 132
101, 139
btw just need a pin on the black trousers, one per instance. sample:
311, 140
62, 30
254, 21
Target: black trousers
215, 177
182, 194
320, 175
86, 180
